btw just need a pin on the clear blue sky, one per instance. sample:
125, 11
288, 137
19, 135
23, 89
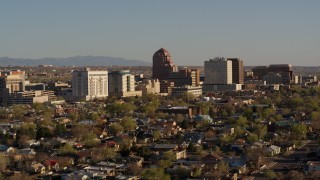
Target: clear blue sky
259, 32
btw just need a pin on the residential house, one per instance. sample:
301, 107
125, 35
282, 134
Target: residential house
3, 148
21, 154
165, 147
124, 177
144, 137
51, 165
84, 156
194, 137
76, 175
237, 165
136, 160
285, 147
104, 171
206, 118
113, 144
64, 162
211, 160
313, 166
37, 168
272, 150
180, 154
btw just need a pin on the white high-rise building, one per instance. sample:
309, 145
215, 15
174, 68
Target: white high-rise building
122, 83
218, 71
89, 84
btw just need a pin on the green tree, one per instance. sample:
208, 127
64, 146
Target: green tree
299, 131
261, 130
144, 152
248, 113
128, 123
242, 122
59, 129
226, 139
204, 107
169, 155
164, 164
270, 174
185, 124
315, 116
191, 147
252, 138
115, 129
27, 130
238, 131
4, 114
99, 154
48, 114
43, 132
156, 134
254, 157
196, 172
38, 107
74, 116
222, 168
90, 139
67, 149
296, 175
4, 161
18, 111
155, 174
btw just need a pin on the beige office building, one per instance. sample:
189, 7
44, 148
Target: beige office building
89, 84
11, 82
218, 71
122, 84
149, 86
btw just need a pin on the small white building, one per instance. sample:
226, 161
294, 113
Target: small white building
272, 150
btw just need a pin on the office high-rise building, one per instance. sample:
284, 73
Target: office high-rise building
149, 86
185, 76
162, 64
259, 71
122, 83
237, 71
218, 71
285, 70
89, 84
11, 82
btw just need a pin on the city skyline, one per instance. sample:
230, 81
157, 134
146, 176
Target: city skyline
260, 33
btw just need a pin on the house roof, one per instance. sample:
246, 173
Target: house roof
275, 148
165, 146
3, 148
37, 166
212, 156
50, 162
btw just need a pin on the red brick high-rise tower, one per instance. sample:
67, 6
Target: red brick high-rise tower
162, 64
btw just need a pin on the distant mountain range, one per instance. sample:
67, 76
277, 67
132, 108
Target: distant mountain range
73, 61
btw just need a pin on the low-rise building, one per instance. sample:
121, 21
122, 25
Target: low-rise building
221, 87
28, 97
313, 166
195, 90
151, 86
122, 84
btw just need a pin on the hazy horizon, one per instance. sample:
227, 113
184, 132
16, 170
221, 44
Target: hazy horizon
260, 33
